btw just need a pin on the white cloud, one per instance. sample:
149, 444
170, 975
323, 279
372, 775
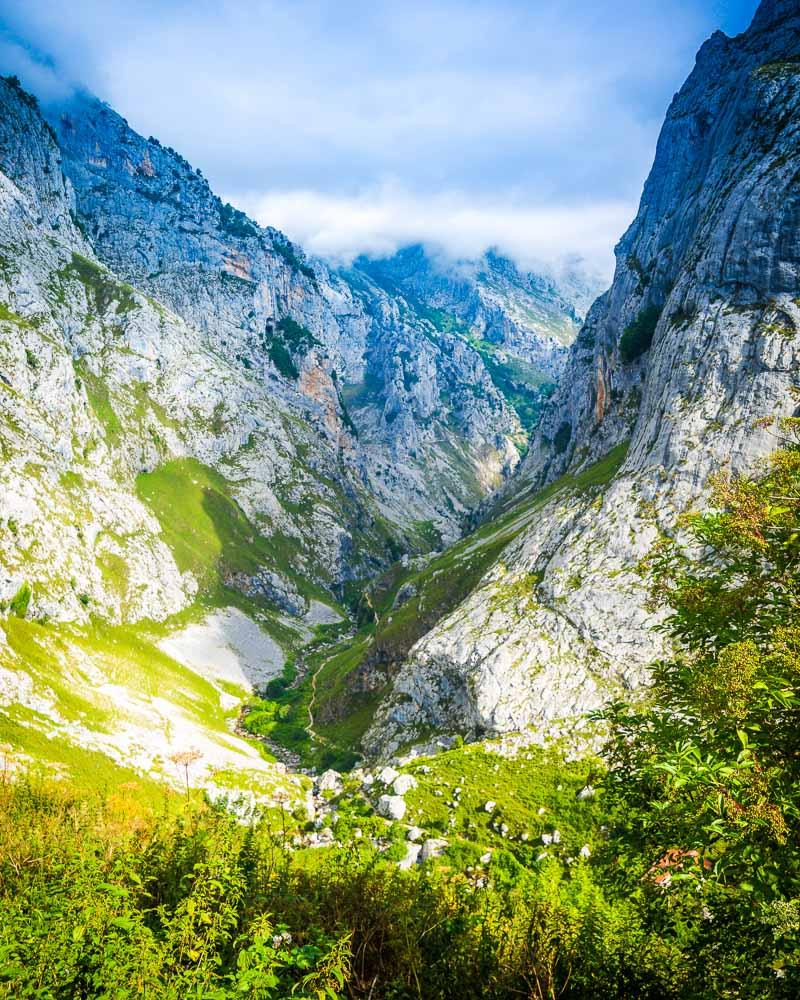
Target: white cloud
380, 220
39, 75
540, 116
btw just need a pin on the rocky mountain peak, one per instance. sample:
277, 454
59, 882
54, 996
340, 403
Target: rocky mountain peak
776, 15
681, 369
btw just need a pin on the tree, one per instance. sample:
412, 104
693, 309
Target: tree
712, 770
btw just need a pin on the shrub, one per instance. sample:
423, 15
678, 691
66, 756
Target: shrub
562, 438
706, 785
293, 257
283, 361
234, 222
638, 336
21, 600
291, 339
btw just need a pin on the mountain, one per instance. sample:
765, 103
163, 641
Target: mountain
267, 537
521, 323
206, 435
216, 449
681, 370
154, 221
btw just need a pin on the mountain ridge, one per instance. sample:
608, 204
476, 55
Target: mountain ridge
687, 362
236, 429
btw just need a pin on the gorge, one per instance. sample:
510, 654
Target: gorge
369, 549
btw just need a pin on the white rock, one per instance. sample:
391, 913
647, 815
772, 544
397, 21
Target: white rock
387, 775
392, 806
329, 781
433, 847
403, 783
412, 855
490, 806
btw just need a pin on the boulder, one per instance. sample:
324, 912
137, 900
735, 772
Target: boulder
404, 783
433, 847
329, 781
411, 858
392, 806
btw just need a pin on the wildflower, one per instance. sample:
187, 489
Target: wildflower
279, 940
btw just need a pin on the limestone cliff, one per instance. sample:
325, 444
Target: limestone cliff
522, 323
683, 365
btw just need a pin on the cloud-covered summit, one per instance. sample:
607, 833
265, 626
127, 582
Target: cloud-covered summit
527, 125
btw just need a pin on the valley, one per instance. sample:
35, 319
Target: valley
406, 625
372, 505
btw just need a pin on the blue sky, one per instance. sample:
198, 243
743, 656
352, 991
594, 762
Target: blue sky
360, 126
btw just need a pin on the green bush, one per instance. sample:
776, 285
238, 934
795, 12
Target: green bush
706, 786
293, 257
102, 898
21, 600
638, 336
290, 340
234, 222
283, 361
563, 437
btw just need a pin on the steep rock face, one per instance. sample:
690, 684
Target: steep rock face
691, 356
102, 386
47, 432
310, 334
522, 323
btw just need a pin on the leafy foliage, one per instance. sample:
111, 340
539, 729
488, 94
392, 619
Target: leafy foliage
707, 782
100, 898
638, 336
563, 437
293, 257
290, 341
234, 222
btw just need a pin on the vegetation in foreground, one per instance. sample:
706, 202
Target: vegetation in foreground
692, 890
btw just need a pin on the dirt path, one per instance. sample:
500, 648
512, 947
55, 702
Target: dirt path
315, 736
310, 727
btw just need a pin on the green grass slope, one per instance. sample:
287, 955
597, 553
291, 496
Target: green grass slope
349, 678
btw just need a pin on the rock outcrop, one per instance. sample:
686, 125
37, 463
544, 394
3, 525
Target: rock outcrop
145, 326
687, 362
409, 414
522, 323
